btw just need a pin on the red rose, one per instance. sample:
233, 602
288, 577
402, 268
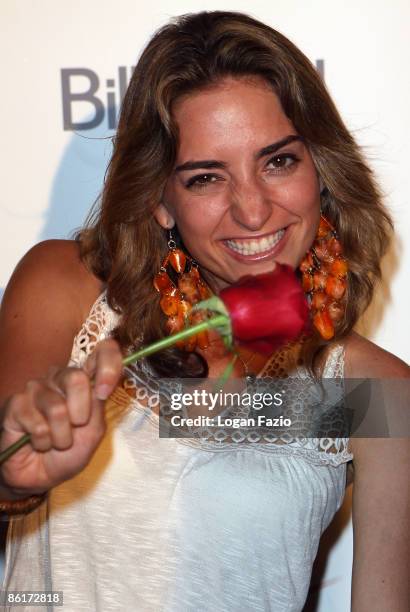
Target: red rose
267, 310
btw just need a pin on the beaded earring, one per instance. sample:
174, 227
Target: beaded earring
181, 286
324, 279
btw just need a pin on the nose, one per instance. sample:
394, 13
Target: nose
251, 206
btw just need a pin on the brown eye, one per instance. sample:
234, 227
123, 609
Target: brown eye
282, 162
206, 178
201, 180
279, 161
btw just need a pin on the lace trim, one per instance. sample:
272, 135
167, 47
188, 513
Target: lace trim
99, 325
139, 390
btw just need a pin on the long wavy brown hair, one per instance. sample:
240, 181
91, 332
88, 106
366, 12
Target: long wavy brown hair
123, 244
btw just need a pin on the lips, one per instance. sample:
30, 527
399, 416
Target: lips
255, 248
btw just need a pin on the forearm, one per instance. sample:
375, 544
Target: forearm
380, 526
378, 588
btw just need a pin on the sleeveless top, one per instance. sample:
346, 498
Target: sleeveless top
175, 525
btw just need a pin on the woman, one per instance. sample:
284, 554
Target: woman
227, 137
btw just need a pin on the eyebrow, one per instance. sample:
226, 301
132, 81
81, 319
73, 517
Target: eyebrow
213, 163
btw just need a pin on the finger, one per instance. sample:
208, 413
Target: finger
97, 423
22, 416
52, 405
105, 364
75, 386
89, 436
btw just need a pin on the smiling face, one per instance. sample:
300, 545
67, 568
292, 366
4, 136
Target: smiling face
244, 192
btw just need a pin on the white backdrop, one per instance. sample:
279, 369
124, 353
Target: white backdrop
51, 175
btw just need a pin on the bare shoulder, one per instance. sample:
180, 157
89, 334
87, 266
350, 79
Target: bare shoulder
45, 303
51, 256
364, 359
381, 494
52, 273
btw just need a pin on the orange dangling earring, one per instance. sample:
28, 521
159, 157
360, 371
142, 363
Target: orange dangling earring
324, 279
179, 295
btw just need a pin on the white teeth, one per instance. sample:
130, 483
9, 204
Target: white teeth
251, 247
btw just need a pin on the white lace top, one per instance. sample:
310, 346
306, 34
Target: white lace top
179, 525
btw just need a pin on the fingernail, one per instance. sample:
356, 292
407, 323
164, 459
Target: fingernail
103, 391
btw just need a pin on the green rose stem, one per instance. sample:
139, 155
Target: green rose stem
220, 322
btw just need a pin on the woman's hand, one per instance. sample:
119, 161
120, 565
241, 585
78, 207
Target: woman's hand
64, 415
